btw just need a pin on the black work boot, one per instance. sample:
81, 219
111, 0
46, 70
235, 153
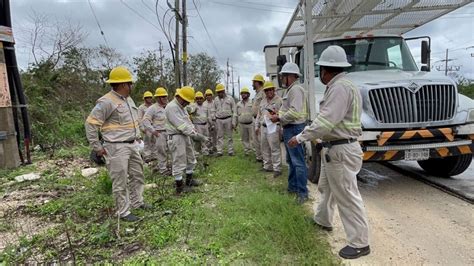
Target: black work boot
191, 182
179, 187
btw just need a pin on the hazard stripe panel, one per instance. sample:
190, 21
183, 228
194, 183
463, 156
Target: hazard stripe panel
434, 153
446, 133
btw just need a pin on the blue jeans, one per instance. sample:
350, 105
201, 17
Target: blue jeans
298, 173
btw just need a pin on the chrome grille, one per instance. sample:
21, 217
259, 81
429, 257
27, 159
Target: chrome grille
400, 105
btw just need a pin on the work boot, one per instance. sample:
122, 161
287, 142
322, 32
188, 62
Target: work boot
130, 218
191, 182
231, 154
300, 199
219, 154
322, 227
145, 206
265, 170
276, 174
179, 187
349, 252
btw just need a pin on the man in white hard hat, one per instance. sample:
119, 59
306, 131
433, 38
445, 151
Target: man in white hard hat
338, 125
292, 117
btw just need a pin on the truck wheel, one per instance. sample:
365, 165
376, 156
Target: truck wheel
314, 167
447, 167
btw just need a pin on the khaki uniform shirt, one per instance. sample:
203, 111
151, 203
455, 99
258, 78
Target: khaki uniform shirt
178, 121
256, 102
244, 112
154, 118
115, 117
141, 112
199, 114
339, 113
293, 109
210, 111
225, 107
273, 104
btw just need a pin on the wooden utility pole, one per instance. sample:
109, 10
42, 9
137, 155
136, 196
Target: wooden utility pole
232, 76
227, 75
176, 48
238, 85
185, 44
446, 64
160, 49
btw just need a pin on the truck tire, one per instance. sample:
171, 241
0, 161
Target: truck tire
314, 166
447, 167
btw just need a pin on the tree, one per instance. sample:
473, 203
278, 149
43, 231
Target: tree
203, 72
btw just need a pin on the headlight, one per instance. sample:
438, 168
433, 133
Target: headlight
470, 117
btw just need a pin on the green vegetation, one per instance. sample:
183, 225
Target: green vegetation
240, 216
467, 90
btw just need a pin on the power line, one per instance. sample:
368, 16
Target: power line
140, 15
253, 8
205, 28
98, 24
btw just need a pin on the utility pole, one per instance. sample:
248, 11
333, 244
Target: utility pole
185, 44
233, 90
238, 85
227, 75
161, 64
446, 65
176, 48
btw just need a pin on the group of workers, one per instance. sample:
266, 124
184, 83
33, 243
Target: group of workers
193, 122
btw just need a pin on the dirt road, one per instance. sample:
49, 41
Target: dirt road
410, 222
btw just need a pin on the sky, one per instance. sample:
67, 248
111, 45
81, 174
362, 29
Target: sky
238, 30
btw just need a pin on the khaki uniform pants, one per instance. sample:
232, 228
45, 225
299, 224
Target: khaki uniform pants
125, 167
246, 133
224, 127
160, 151
202, 146
148, 146
182, 155
338, 185
211, 144
271, 150
257, 145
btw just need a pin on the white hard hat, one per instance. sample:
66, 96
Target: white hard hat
333, 56
290, 68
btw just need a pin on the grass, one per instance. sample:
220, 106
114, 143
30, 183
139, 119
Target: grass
240, 216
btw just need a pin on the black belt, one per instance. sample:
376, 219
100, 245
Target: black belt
223, 118
329, 144
201, 124
246, 123
293, 125
128, 141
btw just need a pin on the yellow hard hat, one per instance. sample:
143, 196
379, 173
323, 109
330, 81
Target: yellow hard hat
209, 92
268, 85
244, 90
147, 94
186, 93
119, 74
160, 91
220, 87
198, 95
258, 77
176, 92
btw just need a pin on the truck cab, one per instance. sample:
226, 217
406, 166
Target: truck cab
407, 114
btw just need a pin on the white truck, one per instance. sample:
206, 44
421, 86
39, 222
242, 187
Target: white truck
407, 114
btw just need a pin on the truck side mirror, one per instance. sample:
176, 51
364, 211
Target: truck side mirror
425, 56
281, 60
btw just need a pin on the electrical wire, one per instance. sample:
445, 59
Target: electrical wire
140, 15
98, 24
253, 8
205, 28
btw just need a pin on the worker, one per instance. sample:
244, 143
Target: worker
147, 138
225, 116
269, 134
257, 84
200, 118
115, 116
211, 144
338, 126
245, 119
154, 122
292, 117
180, 131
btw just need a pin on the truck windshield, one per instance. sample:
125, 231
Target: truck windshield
372, 53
